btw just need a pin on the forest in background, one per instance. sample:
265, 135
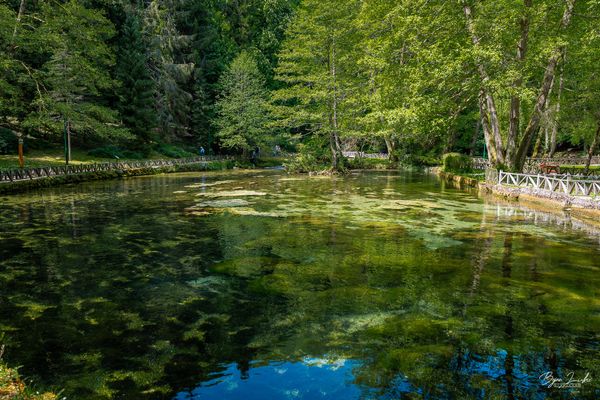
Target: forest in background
135, 74
415, 78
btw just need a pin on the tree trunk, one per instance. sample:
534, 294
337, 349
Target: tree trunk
534, 121
67, 139
20, 150
334, 139
391, 148
474, 138
593, 148
538, 142
554, 133
487, 134
537, 146
489, 108
19, 16
451, 140
12, 48
515, 101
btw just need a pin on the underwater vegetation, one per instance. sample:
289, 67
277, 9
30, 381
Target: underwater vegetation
223, 284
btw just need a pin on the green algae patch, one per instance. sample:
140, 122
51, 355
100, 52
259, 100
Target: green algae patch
243, 267
233, 193
202, 185
153, 292
223, 204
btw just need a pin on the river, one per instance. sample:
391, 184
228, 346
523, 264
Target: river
259, 285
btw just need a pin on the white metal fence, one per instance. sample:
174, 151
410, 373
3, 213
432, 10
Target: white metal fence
565, 184
360, 154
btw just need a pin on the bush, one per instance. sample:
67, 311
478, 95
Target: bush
303, 162
106, 152
115, 152
8, 142
132, 155
173, 151
426, 161
455, 162
368, 163
312, 156
416, 160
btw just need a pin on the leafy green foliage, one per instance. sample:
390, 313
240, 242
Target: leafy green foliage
115, 153
76, 73
129, 74
8, 141
243, 112
455, 162
415, 77
173, 151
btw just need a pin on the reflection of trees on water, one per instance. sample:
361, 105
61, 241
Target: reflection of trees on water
122, 296
496, 345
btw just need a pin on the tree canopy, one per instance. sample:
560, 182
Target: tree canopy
508, 79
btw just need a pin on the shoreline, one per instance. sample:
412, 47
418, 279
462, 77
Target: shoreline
46, 182
585, 210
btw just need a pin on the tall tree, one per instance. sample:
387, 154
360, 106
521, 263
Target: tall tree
76, 74
243, 112
490, 56
413, 88
314, 65
171, 71
581, 123
136, 90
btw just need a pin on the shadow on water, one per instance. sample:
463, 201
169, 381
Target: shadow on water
379, 285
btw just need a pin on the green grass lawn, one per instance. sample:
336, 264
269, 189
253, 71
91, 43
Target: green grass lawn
44, 158
592, 167
56, 157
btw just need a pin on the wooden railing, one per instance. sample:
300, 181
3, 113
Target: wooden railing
565, 184
13, 175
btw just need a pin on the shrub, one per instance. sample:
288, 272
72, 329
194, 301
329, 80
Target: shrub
426, 161
132, 155
8, 142
455, 162
173, 151
311, 157
303, 162
115, 152
416, 160
368, 163
106, 152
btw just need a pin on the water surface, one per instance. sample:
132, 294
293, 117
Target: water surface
259, 285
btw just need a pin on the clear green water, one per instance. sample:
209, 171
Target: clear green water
379, 285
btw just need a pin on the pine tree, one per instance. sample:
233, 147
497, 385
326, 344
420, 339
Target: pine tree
136, 93
76, 74
171, 71
243, 112
203, 114
212, 50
